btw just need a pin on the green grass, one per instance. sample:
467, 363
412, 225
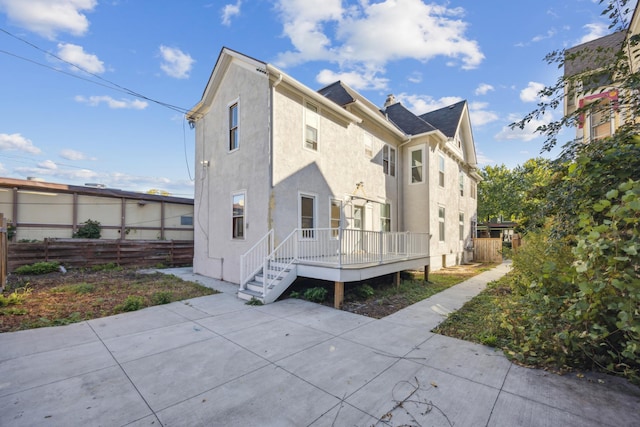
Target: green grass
477, 320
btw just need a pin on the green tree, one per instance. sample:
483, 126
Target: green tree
89, 230
498, 194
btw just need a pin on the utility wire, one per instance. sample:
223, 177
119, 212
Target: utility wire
108, 84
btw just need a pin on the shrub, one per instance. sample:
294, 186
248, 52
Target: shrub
131, 303
38, 268
15, 297
254, 301
364, 291
89, 230
315, 294
162, 297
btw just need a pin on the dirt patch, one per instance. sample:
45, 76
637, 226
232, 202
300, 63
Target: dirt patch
62, 298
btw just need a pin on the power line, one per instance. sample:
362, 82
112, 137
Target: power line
109, 84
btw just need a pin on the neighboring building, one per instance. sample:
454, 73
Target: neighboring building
594, 68
40, 210
342, 189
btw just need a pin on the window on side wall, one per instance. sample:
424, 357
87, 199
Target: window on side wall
368, 145
307, 215
441, 170
234, 141
441, 223
417, 168
312, 121
389, 160
238, 215
600, 120
461, 225
461, 182
186, 220
385, 217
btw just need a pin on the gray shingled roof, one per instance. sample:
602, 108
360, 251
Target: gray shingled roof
408, 122
592, 55
446, 119
337, 93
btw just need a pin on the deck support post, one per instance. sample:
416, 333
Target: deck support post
426, 274
396, 279
338, 295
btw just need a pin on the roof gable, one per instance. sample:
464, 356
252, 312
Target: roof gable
407, 121
446, 119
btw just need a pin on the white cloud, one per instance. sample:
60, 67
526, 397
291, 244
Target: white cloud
55, 173
48, 164
131, 104
175, 63
17, 142
229, 11
548, 35
594, 31
483, 159
415, 77
76, 55
483, 89
420, 104
357, 80
480, 115
49, 17
369, 35
74, 155
528, 133
3, 170
531, 93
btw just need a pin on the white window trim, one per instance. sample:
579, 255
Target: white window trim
461, 226
444, 222
244, 222
306, 110
442, 160
388, 148
411, 151
368, 147
229, 105
314, 196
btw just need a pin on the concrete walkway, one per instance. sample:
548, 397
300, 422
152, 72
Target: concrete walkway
215, 361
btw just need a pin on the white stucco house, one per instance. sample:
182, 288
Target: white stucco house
324, 184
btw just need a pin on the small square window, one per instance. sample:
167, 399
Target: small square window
186, 220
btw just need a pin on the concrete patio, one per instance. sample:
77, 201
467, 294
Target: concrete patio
216, 361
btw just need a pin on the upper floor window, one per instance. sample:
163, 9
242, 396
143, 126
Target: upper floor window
441, 170
368, 145
312, 121
473, 189
389, 160
238, 216
461, 225
417, 168
600, 120
461, 182
234, 141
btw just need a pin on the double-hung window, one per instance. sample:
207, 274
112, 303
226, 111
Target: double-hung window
234, 141
312, 121
238, 215
600, 120
440, 170
389, 160
417, 166
441, 223
461, 225
461, 182
368, 145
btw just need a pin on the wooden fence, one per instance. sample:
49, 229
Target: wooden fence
3, 252
76, 253
487, 250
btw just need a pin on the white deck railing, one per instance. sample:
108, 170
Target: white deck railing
333, 247
252, 261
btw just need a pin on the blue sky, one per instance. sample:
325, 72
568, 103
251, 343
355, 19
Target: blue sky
118, 119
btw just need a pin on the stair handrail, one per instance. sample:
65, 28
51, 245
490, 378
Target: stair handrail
255, 256
266, 283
